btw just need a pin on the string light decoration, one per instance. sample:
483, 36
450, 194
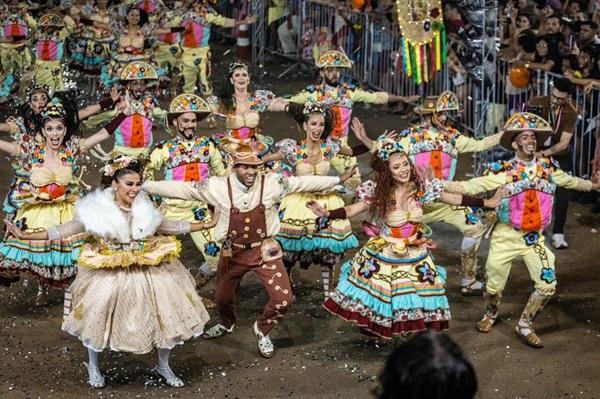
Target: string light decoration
423, 42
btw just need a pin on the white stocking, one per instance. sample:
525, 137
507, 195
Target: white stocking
325, 277
165, 371
163, 358
96, 380
93, 359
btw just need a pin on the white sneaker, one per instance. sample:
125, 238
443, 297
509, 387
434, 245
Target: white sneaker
265, 346
559, 242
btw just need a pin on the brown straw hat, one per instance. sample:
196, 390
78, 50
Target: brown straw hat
245, 155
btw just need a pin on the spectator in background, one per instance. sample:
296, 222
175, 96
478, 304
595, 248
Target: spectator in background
573, 9
585, 67
526, 50
387, 8
557, 109
453, 18
546, 56
525, 6
429, 366
553, 29
588, 34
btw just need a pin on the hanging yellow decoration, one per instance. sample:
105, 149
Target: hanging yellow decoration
424, 35
417, 19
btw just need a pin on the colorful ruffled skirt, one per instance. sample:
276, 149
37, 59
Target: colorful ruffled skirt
299, 234
134, 305
52, 263
88, 55
389, 289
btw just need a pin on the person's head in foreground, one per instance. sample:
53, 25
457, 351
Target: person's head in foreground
429, 366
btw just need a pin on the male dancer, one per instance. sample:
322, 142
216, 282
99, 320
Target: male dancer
194, 43
246, 228
524, 212
190, 157
134, 136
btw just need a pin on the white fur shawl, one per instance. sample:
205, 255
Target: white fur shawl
101, 216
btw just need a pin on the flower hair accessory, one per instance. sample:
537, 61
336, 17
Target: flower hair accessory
36, 88
54, 110
313, 108
118, 163
387, 145
235, 65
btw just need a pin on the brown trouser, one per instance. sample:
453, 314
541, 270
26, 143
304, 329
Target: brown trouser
273, 277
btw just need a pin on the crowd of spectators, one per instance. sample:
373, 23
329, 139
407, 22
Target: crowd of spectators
556, 36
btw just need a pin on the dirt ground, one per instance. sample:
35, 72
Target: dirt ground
319, 356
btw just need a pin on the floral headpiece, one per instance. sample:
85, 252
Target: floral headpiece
334, 58
387, 145
54, 110
235, 65
37, 88
120, 162
138, 70
51, 20
447, 101
313, 108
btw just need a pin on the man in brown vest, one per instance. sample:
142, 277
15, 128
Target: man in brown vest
247, 225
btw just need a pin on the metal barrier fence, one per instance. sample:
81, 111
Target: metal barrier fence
373, 43
506, 99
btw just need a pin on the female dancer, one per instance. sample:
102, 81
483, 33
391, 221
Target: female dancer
131, 45
92, 50
301, 239
28, 120
37, 98
131, 293
392, 285
241, 108
46, 187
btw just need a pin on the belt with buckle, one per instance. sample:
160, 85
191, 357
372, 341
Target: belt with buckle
248, 245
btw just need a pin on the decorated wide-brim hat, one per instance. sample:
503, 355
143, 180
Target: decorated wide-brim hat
447, 102
185, 103
333, 59
51, 21
245, 155
523, 122
428, 106
138, 70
